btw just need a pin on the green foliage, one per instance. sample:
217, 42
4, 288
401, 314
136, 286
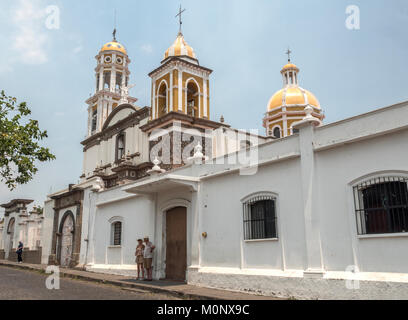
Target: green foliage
19, 143
39, 210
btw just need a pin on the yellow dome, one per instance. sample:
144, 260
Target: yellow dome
114, 46
180, 48
292, 96
290, 66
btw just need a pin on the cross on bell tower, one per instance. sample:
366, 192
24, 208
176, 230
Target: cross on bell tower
179, 16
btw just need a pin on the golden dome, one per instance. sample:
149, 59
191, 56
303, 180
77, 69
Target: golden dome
114, 46
292, 96
180, 48
290, 66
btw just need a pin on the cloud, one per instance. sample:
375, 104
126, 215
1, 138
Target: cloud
29, 40
147, 48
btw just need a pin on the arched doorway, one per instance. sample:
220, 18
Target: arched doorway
162, 99
10, 235
67, 231
193, 95
176, 243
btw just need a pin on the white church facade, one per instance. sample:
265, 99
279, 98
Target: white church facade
304, 211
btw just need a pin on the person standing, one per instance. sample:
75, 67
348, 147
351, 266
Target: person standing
148, 258
140, 259
20, 252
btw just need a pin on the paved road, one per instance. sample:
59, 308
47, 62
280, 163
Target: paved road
28, 285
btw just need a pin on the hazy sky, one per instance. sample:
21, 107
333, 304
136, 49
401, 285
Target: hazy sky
243, 41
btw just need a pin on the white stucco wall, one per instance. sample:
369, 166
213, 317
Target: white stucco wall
337, 169
137, 216
48, 223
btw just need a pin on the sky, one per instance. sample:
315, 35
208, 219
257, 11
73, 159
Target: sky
242, 41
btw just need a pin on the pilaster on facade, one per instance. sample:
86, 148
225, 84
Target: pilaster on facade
314, 254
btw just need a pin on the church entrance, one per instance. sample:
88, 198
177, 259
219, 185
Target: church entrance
176, 244
67, 240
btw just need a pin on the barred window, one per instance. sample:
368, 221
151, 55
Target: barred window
117, 233
381, 205
260, 218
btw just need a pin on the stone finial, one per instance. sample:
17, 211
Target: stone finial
309, 119
198, 156
222, 120
198, 151
308, 111
156, 168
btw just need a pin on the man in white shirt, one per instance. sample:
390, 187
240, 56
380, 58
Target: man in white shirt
148, 257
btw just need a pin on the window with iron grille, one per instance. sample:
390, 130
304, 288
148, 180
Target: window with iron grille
381, 205
117, 233
260, 218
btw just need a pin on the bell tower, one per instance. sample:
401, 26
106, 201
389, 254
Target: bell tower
180, 84
111, 85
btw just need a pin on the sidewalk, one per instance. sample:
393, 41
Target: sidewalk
180, 290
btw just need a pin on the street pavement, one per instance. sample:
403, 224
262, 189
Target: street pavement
16, 284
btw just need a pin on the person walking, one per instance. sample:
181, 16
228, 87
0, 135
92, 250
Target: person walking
148, 258
20, 252
140, 259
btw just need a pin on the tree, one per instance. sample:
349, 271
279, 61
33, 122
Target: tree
19, 143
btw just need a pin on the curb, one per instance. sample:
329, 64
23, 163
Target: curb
116, 283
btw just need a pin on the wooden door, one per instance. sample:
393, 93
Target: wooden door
176, 244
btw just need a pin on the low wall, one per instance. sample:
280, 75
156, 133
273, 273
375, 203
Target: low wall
29, 256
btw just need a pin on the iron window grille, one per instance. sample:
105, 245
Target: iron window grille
260, 218
381, 205
117, 233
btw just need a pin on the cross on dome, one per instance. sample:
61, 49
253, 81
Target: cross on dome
288, 53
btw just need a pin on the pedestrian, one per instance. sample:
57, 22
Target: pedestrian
140, 259
20, 252
148, 258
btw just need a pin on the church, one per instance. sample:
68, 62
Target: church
307, 210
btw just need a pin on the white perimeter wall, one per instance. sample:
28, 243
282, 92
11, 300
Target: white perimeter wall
336, 170
137, 216
223, 220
